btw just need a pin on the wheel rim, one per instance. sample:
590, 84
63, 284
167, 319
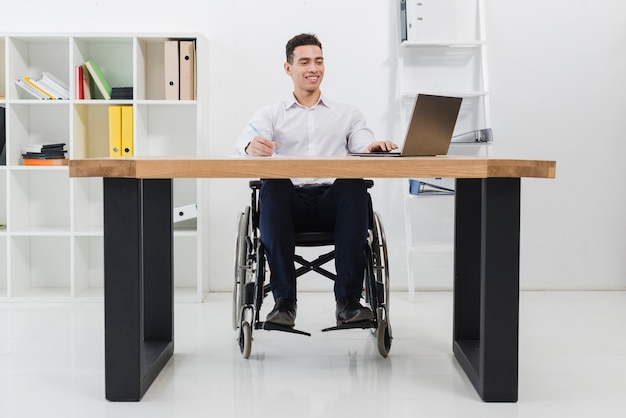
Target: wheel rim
241, 265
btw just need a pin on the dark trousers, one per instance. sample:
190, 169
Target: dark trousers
341, 208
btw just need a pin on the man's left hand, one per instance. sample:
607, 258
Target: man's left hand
384, 146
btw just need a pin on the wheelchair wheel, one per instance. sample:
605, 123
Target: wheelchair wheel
381, 272
383, 334
242, 268
381, 257
245, 339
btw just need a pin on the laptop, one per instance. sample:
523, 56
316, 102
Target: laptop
429, 132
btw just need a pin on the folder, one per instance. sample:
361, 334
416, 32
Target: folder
115, 131
127, 131
171, 70
187, 69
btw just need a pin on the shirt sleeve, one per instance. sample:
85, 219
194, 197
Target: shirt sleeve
360, 136
261, 120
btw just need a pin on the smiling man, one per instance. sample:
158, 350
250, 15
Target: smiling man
308, 123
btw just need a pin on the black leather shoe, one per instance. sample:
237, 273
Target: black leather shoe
284, 313
350, 310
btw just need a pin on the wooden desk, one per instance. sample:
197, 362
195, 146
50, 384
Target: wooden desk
138, 276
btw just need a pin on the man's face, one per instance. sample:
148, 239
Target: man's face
307, 68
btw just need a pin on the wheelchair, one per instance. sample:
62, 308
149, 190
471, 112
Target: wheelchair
250, 287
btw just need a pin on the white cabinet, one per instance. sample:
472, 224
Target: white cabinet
51, 232
443, 51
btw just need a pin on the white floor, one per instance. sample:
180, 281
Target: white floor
572, 363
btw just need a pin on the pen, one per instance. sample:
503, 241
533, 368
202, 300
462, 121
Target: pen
256, 131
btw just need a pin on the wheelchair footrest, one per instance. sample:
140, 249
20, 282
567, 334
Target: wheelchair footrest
270, 326
351, 325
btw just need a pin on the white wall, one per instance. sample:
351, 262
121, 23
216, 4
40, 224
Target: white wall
557, 71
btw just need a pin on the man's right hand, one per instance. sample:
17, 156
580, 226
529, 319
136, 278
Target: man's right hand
261, 147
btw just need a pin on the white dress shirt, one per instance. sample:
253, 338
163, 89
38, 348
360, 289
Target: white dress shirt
326, 128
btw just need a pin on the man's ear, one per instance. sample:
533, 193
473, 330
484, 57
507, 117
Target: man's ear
287, 68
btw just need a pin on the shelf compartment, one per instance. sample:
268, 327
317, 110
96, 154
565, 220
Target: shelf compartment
168, 128
114, 55
40, 267
442, 68
38, 122
3, 87
186, 268
31, 56
3, 266
90, 129
3, 201
151, 67
39, 201
88, 267
87, 212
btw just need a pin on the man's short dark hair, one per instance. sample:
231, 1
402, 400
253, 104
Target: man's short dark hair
300, 40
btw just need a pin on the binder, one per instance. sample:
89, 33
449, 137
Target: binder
127, 131
171, 70
403, 22
99, 80
187, 68
115, 131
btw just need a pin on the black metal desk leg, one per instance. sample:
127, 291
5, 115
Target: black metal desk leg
138, 284
486, 284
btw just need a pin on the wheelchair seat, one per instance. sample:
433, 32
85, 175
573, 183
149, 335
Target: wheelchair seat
250, 288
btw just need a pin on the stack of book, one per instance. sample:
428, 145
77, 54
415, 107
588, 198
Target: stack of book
99, 80
45, 154
121, 93
46, 87
90, 82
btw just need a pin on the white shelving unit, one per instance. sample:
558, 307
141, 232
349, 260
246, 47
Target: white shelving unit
51, 232
451, 62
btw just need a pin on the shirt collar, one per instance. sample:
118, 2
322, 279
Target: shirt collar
291, 101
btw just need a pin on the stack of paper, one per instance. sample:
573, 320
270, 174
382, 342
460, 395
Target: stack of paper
47, 87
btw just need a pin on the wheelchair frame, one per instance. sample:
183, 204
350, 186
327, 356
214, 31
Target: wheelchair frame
250, 287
